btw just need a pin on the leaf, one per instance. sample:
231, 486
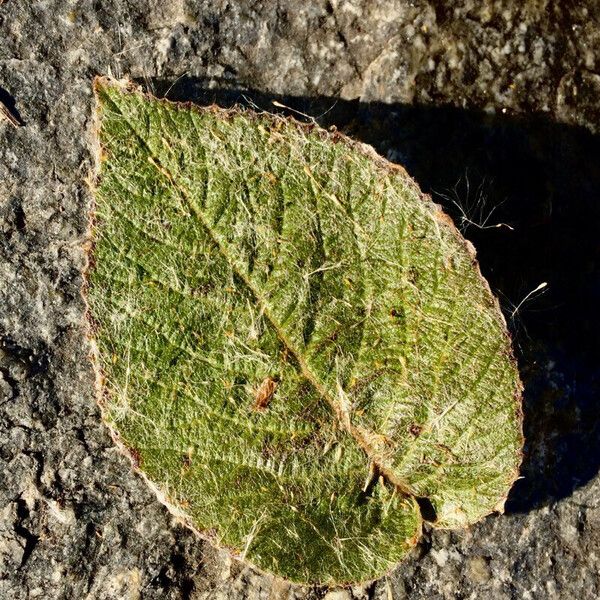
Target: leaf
295, 344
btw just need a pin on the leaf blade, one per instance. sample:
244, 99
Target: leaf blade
315, 272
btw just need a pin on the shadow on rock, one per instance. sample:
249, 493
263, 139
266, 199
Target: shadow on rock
526, 192
10, 106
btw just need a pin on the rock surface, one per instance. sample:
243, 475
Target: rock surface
490, 105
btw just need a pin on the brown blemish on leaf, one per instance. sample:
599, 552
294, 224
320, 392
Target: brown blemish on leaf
415, 429
186, 461
136, 457
264, 393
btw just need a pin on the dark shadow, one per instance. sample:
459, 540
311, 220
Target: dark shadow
10, 104
543, 180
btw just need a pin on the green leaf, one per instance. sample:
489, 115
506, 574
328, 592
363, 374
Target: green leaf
295, 344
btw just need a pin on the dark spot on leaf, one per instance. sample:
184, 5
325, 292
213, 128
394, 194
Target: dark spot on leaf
186, 460
415, 429
136, 457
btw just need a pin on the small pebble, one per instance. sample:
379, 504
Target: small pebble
479, 569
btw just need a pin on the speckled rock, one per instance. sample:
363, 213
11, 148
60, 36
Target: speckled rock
491, 105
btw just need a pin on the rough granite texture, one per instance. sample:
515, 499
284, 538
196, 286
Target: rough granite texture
487, 104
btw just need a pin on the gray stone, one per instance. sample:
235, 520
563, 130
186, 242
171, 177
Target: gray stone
75, 521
